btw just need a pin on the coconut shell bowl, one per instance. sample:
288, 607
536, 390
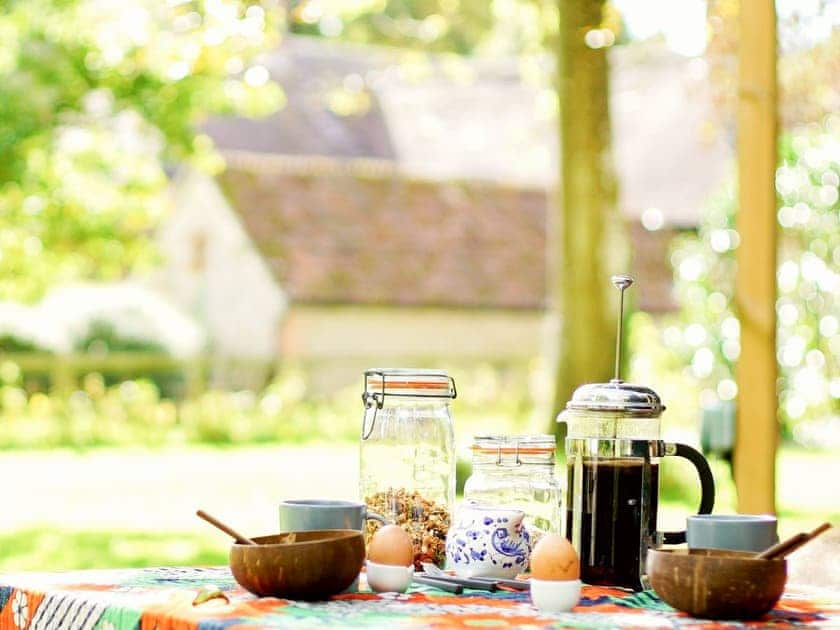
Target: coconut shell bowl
299, 565
716, 583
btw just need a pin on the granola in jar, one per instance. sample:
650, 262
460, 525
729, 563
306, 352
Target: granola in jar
426, 521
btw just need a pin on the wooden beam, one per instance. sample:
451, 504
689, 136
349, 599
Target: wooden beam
755, 290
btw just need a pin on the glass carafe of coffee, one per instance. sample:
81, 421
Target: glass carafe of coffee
612, 459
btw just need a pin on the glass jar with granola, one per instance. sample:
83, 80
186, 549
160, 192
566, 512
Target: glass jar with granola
407, 455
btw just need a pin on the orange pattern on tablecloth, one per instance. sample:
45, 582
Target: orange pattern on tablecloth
180, 614
13, 613
163, 599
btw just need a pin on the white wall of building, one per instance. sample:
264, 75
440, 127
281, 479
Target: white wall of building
396, 333
213, 271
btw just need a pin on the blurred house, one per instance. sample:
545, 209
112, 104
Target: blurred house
397, 206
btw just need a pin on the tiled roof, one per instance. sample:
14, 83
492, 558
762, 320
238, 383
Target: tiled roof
384, 239
357, 232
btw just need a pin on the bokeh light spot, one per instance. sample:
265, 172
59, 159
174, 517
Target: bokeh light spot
727, 389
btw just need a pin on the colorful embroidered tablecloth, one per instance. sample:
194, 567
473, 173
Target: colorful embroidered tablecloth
163, 599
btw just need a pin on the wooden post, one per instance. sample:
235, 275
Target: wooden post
755, 290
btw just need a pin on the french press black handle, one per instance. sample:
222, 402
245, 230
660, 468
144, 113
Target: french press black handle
707, 485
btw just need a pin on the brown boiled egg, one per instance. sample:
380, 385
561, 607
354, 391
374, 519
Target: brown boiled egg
554, 558
391, 544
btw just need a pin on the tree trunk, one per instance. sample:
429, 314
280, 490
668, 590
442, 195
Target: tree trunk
584, 222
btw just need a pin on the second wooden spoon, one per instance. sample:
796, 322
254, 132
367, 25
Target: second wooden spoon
789, 545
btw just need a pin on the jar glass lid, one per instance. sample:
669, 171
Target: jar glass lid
515, 443
514, 449
411, 382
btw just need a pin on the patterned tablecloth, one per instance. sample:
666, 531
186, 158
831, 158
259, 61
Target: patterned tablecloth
163, 599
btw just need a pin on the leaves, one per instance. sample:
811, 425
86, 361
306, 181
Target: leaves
808, 331
441, 26
96, 99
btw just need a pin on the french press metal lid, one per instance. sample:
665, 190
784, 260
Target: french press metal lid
618, 396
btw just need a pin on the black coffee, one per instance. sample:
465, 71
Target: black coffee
611, 527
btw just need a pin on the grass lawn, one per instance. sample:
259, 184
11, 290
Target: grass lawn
136, 508
40, 549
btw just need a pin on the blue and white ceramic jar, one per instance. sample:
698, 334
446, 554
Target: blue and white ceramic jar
487, 541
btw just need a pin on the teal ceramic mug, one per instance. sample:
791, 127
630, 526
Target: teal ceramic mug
741, 532
298, 515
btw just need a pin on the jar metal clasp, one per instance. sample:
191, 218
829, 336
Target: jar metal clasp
370, 399
517, 461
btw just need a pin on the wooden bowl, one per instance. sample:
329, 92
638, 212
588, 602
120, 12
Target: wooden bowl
316, 565
716, 583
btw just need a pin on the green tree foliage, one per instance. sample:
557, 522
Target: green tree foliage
440, 26
434, 25
808, 63
808, 334
96, 97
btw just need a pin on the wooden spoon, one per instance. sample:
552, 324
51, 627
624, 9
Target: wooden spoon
789, 545
242, 540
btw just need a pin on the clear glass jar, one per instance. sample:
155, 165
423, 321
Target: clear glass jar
518, 471
407, 455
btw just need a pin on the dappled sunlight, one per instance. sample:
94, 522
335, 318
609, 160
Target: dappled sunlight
215, 215
808, 288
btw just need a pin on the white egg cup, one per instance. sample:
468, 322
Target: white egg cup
387, 578
555, 595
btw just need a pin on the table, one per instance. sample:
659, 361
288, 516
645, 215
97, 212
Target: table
162, 598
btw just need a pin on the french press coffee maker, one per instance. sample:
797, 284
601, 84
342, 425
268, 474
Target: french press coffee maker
612, 458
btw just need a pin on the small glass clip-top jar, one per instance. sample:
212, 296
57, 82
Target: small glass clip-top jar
407, 455
517, 471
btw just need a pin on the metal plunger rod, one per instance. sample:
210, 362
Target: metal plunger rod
621, 282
